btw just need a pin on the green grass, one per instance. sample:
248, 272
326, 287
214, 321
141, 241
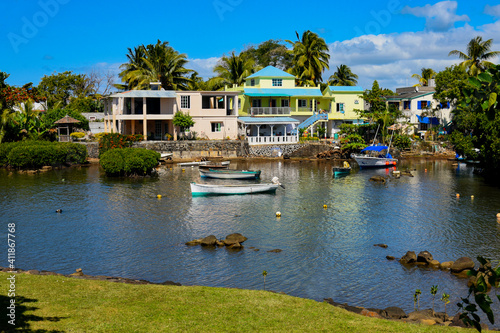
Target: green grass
58, 303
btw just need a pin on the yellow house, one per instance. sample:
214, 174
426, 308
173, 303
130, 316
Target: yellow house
345, 100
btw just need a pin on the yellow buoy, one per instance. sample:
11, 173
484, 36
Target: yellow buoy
472, 197
325, 206
425, 170
278, 214
498, 215
159, 196
183, 170
458, 195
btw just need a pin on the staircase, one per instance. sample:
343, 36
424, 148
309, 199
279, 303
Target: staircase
312, 120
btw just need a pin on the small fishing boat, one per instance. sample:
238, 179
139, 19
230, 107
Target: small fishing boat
375, 157
218, 165
230, 174
229, 189
201, 163
166, 156
342, 171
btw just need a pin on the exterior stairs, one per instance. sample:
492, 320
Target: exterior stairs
311, 121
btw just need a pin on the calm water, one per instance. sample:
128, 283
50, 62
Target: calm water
119, 228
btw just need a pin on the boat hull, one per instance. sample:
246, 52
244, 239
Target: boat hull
374, 162
208, 189
340, 171
230, 174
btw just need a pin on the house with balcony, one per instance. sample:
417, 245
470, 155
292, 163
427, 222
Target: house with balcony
344, 100
151, 113
420, 109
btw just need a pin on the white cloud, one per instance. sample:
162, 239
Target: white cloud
492, 10
391, 59
204, 67
439, 17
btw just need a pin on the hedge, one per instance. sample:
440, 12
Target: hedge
35, 154
129, 161
110, 141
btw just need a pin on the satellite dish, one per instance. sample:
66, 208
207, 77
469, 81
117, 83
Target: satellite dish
416, 89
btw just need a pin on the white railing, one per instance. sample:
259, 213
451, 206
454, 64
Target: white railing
256, 111
266, 140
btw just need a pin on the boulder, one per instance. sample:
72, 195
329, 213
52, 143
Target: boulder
406, 173
219, 243
421, 314
462, 264
234, 238
381, 245
446, 265
370, 313
425, 257
32, 272
275, 250
209, 241
378, 179
409, 258
393, 312
429, 322
434, 263
235, 246
390, 257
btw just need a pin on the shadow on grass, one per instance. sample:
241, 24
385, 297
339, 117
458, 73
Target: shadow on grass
22, 319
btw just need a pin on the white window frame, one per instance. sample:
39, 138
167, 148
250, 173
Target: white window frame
185, 102
277, 82
256, 103
252, 82
285, 103
302, 103
340, 107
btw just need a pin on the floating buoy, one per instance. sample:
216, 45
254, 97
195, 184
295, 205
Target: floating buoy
183, 170
159, 196
458, 195
59, 211
472, 197
498, 216
325, 206
278, 214
425, 170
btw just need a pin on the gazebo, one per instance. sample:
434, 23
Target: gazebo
65, 128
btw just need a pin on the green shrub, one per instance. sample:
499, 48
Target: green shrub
401, 141
35, 154
77, 135
129, 161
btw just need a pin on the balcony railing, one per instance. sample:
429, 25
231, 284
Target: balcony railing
261, 111
266, 140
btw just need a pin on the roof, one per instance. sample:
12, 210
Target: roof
271, 71
268, 120
375, 148
146, 93
412, 95
345, 88
284, 92
67, 120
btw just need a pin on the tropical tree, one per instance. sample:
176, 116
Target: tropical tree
426, 75
343, 77
233, 69
310, 57
478, 52
60, 88
270, 53
155, 63
183, 120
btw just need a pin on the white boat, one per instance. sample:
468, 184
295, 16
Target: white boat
198, 163
375, 157
230, 174
166, 156
208, 189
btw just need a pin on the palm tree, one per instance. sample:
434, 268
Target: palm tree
233, 69
155, 63
343, 77
310, 57
478, 52
427, 74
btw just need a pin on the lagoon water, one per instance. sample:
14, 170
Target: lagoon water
119, 227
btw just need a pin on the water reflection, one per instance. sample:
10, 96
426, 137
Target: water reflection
119, 227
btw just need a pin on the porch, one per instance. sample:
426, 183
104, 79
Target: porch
269, 130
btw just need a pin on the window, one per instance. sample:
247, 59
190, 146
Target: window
272, 103
216, 127
277, 82
406, 105
423, 105
445, 105
185, 102
285, 103
302, 103
256, 103
239, 103
356, 101
340, 107
252, 82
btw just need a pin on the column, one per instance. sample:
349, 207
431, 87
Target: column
144, 119
115, 107
133, 127
132, 107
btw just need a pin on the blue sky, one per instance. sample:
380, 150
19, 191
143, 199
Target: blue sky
380, 40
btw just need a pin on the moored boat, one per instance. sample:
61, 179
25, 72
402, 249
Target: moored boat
375, 157
229, 189
202, 163
230, 174
343, 170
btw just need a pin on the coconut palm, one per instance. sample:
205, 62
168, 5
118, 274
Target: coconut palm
478, 52
310, 57
427, 74
343, 77
233, 69
155, 63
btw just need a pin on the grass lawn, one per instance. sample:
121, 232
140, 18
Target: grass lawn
58, 303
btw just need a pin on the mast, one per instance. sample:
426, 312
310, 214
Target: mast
390, 141
373, 143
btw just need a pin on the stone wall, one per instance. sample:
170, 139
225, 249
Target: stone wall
219, 148
197, 149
